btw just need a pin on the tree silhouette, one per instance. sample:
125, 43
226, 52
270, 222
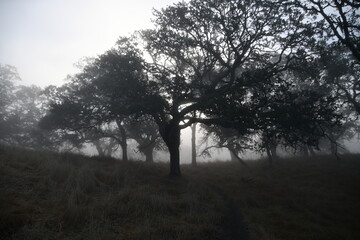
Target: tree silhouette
202, 51
8, 120
339, 20
233, 64
145, 132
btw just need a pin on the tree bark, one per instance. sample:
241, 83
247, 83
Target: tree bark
171, 136
124, 150
123, 142
193, 144
268, 152
149, 154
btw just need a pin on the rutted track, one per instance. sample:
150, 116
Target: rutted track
234, 226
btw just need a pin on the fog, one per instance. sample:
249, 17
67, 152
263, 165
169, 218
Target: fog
44, 39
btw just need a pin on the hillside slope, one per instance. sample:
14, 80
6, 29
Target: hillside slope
64, 196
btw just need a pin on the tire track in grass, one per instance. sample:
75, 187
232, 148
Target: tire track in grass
233, 225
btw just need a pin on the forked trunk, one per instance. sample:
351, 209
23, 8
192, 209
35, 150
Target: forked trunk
312, 152
99, 148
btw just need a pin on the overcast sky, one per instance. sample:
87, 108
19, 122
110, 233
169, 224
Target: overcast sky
43, 39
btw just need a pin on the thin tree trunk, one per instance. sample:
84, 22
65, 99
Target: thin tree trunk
333, 146
273, 150
193, 144
123, 142
311, 150
149, 154
268, 152
304, 150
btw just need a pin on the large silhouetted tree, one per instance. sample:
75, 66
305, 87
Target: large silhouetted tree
203, 50
213, 62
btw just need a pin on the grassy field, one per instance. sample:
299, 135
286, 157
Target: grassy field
63, 196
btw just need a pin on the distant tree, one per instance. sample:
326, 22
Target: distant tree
76, 120
297, 111
220, 137
145, 132
95, 98
105, 146
26, 106
342, 73
334, 137
8, 120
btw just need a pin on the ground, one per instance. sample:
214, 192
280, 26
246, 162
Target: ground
46, 195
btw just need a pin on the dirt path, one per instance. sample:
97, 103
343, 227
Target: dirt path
234, 226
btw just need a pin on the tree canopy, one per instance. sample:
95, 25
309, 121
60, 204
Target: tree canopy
253, 66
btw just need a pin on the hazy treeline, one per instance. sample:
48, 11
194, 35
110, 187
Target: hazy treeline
254, 74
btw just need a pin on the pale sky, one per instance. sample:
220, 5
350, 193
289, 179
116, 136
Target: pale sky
43, 39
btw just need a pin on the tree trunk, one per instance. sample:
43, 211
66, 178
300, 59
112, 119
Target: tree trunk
149, 154
273, 150
233, 156
124, 150
99, 148
311, 150
123, 142
268, 152
110, 147
171, 136
333, 148
304, 151
174, 160
193, 144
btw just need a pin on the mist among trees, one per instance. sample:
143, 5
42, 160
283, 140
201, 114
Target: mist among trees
253, 75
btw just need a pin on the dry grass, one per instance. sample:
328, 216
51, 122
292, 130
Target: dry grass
64, 196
